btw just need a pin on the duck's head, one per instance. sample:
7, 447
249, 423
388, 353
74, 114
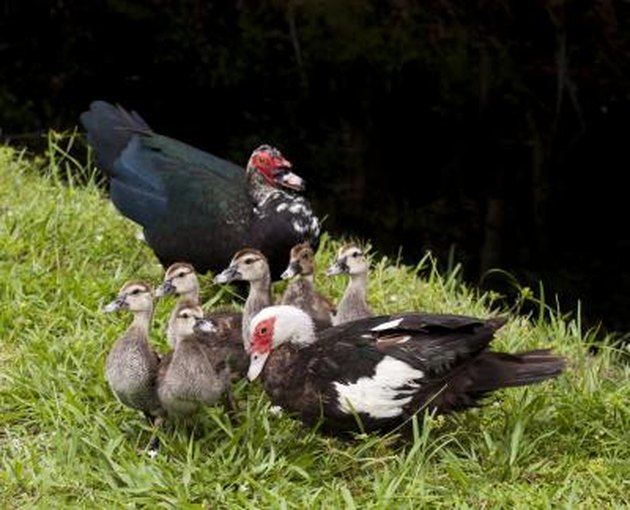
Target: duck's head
189, 320
302, 261
274, 326
135, 296
180, 278
247, 265
269, 164
350, 260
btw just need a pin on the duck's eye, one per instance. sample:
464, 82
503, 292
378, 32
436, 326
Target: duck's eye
249, 261
263, 331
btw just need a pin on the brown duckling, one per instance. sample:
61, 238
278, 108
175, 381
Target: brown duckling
353, 305
301, 291
251, 266
190, 376
132, 365
181, 280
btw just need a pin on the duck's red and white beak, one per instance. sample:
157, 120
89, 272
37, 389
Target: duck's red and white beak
257, 362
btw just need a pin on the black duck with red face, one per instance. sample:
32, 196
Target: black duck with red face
375, 373
193, 206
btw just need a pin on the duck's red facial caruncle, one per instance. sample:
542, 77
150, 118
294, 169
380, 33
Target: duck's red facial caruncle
260, 348
275, 168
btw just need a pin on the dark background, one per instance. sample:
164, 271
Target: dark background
493, 132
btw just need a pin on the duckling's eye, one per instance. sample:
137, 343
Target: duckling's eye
356, 254
185, 315
181, 275
249, 261
135, 292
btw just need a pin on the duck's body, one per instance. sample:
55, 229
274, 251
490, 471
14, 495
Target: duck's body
181, 279
353, 304
376, 373
193, 206
189, 376
131, 365
249, 265
300, 292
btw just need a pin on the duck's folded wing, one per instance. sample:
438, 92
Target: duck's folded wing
153, 177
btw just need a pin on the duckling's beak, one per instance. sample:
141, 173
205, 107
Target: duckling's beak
204, 326
339, 267
257, 362
292, 270
227, 275
119, 303
165, 289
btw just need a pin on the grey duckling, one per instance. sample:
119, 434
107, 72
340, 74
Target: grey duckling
190, 376
353, 304
132, 365
249, 265
300, 292
181, 280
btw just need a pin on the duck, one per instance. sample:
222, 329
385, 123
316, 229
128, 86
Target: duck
131, 365
194, 206
353, 305
374, 374
301, 292
249, 265
190, 376
181, 280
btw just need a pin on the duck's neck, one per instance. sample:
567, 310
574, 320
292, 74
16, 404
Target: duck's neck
259, 189
142, 321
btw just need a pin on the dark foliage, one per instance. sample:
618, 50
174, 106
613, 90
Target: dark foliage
494, 127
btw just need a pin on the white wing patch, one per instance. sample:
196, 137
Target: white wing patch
383, 394
282, 206
387, 325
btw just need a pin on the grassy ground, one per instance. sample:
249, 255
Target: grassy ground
65, 442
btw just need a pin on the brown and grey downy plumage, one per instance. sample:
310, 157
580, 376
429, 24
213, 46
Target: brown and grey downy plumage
190, 376
301, 291
181, 280
251, 266
353, 304
132, 365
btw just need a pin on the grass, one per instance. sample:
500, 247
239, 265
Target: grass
65, 442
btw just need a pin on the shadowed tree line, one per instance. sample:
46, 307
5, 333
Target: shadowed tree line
494, 130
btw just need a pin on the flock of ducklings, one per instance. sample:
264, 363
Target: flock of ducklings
210, 349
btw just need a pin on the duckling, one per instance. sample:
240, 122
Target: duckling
301, 291
189, 376
249, 265
131, 366
181, 279
353, 305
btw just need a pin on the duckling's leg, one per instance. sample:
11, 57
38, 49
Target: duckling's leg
231, 406
154, 443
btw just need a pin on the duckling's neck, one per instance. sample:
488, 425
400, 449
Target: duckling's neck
259, 293
357, 286
308, 278
191, 296
354, 301
142, 320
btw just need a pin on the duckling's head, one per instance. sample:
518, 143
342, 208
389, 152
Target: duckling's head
267, 165
180, 278
189, 320
302, 261
350, 260
248, 265
135, 296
